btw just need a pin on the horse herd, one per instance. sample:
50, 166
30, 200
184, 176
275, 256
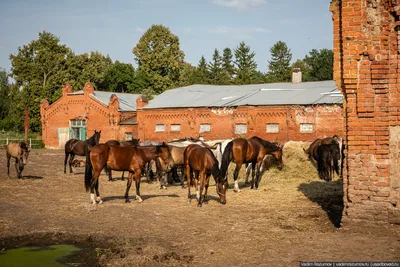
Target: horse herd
197, 159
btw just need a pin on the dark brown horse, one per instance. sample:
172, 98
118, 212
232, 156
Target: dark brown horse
133, 142
131, 158
311, 151
252, 151
77, 147
19, 151
203, 163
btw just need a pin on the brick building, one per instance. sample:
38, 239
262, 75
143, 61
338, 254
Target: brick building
275, 111
367, 71
78, 114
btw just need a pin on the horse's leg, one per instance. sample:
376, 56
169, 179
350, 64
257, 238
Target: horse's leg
95, 186
202, 180
187, 169
17, 167
122, 177
8, 164
182, 177
71, 158
253, 172
248, 169
205, 199
128, 186
65, 162
196, 184
109, 173
258, 173
138, 174
98, 199
235, 176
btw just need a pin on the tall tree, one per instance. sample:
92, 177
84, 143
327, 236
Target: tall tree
279, 65
158, 54
36, 68
188, 75
215, 68
228, 69
245, 64
321, 64
119, 77
201, 74
4, 95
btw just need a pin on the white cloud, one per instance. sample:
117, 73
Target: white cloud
240, 4
138, 29
239, 33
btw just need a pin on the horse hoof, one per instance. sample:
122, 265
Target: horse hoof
127, 201
199, 205
236, 190
205, 202
139, 199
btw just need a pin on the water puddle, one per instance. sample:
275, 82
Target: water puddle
44, 256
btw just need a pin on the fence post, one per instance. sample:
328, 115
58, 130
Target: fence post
30, 142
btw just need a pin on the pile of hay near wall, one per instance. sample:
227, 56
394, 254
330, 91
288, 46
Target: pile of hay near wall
296, 165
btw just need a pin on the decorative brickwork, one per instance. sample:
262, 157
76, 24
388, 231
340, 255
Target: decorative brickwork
366, 70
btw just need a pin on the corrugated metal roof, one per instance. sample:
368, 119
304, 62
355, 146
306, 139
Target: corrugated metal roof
127, 102
306, 93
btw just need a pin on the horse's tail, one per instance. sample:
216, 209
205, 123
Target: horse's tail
226, 159
88, 169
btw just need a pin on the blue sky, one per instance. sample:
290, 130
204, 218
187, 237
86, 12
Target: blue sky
115, 27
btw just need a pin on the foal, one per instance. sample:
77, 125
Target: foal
203, 162
19, 151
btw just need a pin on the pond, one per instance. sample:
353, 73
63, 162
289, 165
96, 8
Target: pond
44, 256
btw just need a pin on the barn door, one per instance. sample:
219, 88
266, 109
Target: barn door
63, 137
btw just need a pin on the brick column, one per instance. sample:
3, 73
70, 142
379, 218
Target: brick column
366, 70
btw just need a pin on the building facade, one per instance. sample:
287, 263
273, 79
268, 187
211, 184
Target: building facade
367, 71
78, 114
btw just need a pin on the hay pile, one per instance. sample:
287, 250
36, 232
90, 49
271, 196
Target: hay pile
296, 165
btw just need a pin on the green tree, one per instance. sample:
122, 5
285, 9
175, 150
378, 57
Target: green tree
119, 77
320, 63
188, 75
279, 65
158, 54
37, 68
4, 95
201, 75
245, 64
228, 69
305, 69
215, 68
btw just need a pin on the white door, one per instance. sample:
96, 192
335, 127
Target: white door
63, 137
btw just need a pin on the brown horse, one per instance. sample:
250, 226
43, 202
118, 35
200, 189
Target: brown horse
311, 151
77, 147
133, 142
19, 151
252, 151
131, 158
203, 162
177, 154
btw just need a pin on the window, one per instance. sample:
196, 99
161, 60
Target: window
205, 128
78, 123
272, 128
306, 127
78, 129
128, 136
175, 127
241, 129
160, 127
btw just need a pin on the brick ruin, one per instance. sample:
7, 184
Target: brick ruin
366, 70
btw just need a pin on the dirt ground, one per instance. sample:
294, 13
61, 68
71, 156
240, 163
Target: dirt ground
284, 222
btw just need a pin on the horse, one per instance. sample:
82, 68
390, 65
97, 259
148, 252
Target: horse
177, 154
203, 163
77, 147
133, 142
78, 163
19, 151
328, 159
251, 150
131, 158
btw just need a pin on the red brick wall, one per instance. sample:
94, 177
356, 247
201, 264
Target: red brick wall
366, 70
97, 115
326, 119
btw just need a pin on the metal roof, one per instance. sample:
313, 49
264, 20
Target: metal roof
305, 93
127, 102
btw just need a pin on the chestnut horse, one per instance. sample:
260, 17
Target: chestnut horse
203, 163
77, 147
252, 151
19, 151
133, 142
131, 158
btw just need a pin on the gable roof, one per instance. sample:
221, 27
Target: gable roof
305, 93
127, 102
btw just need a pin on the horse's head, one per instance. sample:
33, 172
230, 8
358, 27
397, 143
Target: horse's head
135, 142
222, 186
278, 156
96, 137
25, 150
165, 154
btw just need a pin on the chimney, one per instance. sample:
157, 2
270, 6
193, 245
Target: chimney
296, 75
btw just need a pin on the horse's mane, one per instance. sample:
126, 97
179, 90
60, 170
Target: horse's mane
23, 145
268, 144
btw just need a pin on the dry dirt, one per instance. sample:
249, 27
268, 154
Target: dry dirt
288, 220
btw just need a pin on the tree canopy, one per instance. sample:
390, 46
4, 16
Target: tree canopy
279, 65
